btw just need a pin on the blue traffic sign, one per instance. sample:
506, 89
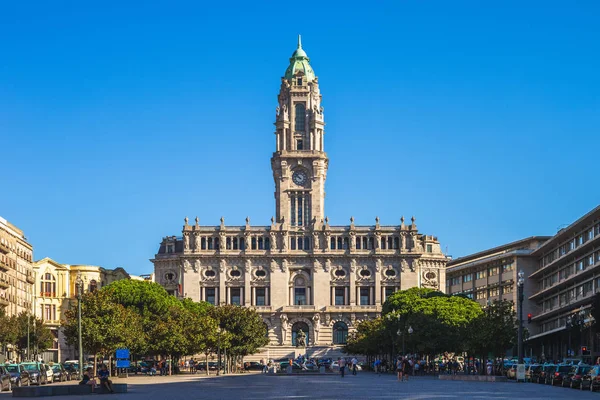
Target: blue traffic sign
123, 354
123, 363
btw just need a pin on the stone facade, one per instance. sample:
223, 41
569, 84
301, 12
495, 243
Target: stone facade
300, 272
16, 274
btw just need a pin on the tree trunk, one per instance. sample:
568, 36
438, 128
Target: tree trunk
95, 363
170, 364
206, 364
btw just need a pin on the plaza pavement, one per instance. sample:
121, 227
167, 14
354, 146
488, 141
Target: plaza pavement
365, 385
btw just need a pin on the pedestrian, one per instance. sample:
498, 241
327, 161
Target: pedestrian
354, 365
192, 366
376, 365
104, 381
405, 368
399, 370
342, 364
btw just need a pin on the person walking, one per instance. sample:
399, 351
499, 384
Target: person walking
405, 368
342, 364
399, 370
354, 365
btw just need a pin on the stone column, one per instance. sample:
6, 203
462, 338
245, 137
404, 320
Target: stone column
247, 277
353, 283
377, 282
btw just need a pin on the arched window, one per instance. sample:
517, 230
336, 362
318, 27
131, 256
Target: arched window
300, 117
93, 285
340, 333
203, 243
48, 285
358, 242
339, 243
296, 328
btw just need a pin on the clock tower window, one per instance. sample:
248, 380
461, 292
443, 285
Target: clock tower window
299, 144
300, 209
300, 117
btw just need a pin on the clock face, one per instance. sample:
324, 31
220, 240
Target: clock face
299, 178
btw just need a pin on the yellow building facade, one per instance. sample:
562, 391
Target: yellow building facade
55, 291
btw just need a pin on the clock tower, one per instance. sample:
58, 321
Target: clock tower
299, 162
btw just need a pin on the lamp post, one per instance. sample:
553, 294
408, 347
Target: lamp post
79, 289
28, 352
520, 283
410, 330
218, 350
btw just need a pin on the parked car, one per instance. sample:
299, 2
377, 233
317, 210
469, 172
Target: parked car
36, 375
59, 374
4, 379
253, 366
533, 372
591, 380
72, 371
546, 369
49, 373
18, 375
555, 377
295, 366
573, 380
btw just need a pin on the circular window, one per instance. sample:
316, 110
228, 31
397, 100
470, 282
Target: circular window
210, 273
390, 272
340, 273
261, 273
430, 275
365, 273
169, 276
236, 273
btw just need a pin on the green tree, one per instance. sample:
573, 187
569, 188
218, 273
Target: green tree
40, 337
439, 321
105, 325
244, 329
8, 331
370, 338
494, 331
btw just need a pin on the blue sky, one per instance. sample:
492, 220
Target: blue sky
118, 120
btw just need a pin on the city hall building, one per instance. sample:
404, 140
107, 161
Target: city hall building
300, 272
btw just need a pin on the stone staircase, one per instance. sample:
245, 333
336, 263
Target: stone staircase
287, 352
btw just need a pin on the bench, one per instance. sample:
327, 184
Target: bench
64, 390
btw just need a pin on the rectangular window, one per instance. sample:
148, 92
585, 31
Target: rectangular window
579, 266
235, 293
481, 294
261, 297
299, 144
507, 289
210, 295
481, 274
507, 267
340, 296
48, 312
467, 278
389, 290
293, 210
429, 248
493, 271
300, 296
364, 296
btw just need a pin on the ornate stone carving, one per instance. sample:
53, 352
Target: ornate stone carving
315, 236
272, 265
273, 237
222, 265
284, 328
186, 265
284, 242
197, 241
327, 265
352, 265
403, 265
430, 279
284, 265
316, 327
414, 265
196, 266
186, 241
378, 265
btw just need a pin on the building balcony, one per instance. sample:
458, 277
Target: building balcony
30, 278
263, 308
4, 283
4, 248
47, 294
3, 302
52, 322
306, 308
3, 265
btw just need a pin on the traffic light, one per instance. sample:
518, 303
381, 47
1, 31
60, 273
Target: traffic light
529, 316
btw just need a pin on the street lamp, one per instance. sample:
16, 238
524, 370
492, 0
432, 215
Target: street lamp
520, 283
410, 330
79, 289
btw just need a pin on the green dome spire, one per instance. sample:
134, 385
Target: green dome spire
299, 62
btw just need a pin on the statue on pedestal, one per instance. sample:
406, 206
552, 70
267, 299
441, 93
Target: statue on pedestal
300, 339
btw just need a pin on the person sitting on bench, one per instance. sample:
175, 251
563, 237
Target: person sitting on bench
88, 379
104, 381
